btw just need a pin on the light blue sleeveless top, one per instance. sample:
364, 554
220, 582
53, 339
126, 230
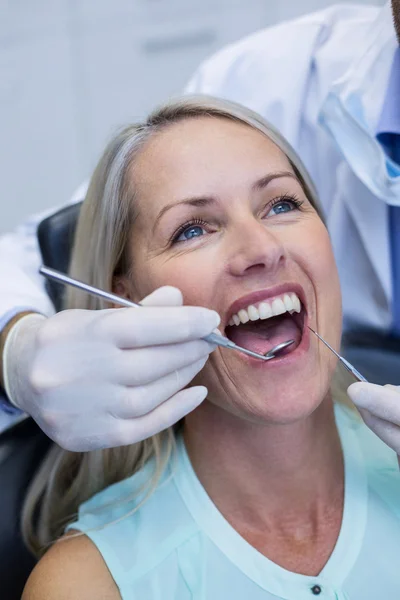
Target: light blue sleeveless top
178, 546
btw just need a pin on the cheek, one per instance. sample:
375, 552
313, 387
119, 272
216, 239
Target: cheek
324, 276
328, 277
189, 272
319, 261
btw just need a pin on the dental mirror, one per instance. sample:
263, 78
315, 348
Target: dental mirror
278, 348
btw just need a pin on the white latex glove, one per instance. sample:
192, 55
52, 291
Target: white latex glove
107, 378
380, 408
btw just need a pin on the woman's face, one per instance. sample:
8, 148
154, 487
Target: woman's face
222, 216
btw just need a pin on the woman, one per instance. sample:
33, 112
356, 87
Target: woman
266, 490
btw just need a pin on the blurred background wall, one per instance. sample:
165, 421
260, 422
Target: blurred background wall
72, 71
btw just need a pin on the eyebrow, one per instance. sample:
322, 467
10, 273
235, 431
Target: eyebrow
260, 184
264, 181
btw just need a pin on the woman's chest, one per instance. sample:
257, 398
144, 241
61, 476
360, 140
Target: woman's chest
303, 549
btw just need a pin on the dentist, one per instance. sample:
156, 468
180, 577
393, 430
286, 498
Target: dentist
330, 82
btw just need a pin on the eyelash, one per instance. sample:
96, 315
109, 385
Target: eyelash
192, 222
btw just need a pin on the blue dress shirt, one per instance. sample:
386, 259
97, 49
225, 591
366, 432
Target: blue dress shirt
388, 134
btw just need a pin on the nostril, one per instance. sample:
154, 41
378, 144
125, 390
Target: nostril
255, 268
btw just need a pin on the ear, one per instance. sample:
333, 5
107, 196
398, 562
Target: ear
121, 287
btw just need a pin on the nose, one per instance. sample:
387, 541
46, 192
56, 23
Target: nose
255, 249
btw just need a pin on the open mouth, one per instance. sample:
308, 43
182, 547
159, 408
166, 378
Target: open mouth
263, 326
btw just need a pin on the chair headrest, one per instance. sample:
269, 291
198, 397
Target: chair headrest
56, 237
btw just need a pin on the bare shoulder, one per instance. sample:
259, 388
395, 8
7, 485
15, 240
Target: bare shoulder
72, 568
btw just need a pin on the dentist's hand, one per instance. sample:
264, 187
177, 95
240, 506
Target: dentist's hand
380, 408
96, 379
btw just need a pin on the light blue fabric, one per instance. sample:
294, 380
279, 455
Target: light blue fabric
388, 134
178, 546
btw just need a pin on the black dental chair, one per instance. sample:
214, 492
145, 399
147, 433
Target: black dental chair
22, 447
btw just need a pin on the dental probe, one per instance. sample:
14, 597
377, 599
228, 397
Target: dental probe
213, 338
345, 362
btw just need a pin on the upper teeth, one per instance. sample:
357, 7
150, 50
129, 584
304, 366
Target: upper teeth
265, 310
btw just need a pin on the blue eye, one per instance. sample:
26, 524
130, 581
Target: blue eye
282, 207
190, 233
285, 206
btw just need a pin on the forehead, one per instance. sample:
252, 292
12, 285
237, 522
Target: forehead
205, 155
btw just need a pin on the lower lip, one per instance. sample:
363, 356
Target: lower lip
286, 359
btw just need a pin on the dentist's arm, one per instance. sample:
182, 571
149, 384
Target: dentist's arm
380, 408
22, 289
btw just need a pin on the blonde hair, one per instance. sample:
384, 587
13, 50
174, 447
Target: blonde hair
66, 479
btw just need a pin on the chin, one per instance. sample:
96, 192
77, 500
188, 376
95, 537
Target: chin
281, 408
297, 409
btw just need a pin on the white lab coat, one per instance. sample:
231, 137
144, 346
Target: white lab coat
286, 73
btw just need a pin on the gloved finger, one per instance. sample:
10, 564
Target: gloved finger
152, 326
138, 401
164, 296
386, 431
111, 433
145, 365
167, 414
380, 401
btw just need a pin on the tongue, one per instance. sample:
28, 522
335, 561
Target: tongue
262, 336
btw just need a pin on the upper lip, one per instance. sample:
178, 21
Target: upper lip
266, 294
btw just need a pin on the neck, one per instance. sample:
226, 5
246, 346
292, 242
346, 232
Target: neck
263, 473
